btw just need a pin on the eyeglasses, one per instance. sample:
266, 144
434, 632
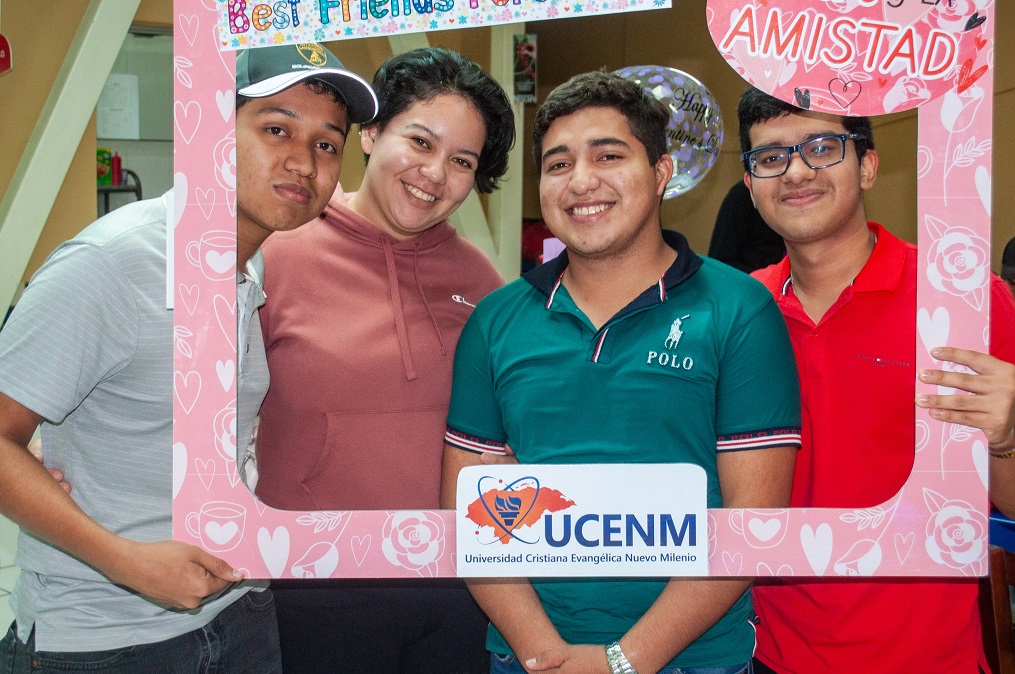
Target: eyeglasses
817, 153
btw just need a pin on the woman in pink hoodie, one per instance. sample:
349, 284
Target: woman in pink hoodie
365, 306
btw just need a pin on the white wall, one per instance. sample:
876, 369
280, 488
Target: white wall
150, 59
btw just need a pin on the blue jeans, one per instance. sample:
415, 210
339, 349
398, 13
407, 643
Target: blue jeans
508, 664
243, 638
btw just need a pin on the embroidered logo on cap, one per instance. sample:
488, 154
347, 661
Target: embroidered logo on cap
313, 53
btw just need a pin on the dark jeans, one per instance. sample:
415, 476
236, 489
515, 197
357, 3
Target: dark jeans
389, 626
242, 639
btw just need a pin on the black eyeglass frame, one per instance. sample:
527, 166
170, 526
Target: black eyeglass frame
751, 163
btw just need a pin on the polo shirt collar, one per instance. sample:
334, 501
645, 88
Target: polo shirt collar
882, 271
546, 277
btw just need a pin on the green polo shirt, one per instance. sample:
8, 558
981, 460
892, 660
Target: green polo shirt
697, 364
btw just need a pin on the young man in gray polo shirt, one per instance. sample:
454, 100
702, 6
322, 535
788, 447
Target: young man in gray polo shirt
88, 355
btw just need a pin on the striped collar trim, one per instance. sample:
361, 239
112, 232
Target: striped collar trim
553, 293
546, 278
599, 346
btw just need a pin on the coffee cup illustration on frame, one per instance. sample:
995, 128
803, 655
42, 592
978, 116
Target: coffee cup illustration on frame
214, 254
218, 524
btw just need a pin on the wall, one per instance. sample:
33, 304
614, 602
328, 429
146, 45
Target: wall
150, 156
155, 13
29, 83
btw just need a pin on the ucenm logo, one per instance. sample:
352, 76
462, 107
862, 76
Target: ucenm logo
518, 505
510, 511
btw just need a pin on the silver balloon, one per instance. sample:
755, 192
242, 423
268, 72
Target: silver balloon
695, 126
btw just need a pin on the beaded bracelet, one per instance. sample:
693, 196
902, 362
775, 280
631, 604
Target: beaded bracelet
1005, 451
1010, 454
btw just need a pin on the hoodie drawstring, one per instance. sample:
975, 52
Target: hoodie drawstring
396, 305
429, 311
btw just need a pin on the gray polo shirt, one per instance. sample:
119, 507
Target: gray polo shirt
90, 348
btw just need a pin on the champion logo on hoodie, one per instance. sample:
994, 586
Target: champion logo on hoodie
462, 300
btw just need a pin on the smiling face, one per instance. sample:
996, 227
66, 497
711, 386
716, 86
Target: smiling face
598, 192
288, 160
422, 165
807, 205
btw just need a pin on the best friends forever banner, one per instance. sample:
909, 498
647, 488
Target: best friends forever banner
248, 23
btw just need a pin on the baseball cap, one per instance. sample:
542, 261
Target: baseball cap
269, 70
1008, 262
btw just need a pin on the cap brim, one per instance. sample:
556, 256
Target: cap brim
360, 98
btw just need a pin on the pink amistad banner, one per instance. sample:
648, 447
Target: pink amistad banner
855, 57
937, 56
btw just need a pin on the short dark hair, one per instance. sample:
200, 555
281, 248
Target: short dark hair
756, 107
316, 86
423, 74
646, 116
1008, 261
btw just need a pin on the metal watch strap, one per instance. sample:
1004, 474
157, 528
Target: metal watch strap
618, 662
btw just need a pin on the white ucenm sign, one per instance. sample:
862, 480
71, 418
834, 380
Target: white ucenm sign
582, 520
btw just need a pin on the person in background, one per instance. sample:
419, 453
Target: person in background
1008, 265
741, 238
847, 290
365, 306
88, 354
558, 365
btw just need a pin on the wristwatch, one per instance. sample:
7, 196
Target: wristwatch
618, 662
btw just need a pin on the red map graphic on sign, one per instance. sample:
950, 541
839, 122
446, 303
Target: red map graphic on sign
504, 510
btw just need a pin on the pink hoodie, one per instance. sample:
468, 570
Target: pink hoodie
360, 332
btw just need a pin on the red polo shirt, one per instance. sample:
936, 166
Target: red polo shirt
857, 373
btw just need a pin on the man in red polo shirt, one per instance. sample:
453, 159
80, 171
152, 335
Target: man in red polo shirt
847, 289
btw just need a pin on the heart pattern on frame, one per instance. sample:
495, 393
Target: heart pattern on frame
960, 193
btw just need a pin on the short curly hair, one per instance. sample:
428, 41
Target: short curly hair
646, 116
423, 74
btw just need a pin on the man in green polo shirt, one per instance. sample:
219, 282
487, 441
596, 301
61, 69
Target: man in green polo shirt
628, 348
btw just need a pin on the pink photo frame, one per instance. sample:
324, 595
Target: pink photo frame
909, 535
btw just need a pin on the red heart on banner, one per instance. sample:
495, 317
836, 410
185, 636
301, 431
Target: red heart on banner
5, 54
968, 76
